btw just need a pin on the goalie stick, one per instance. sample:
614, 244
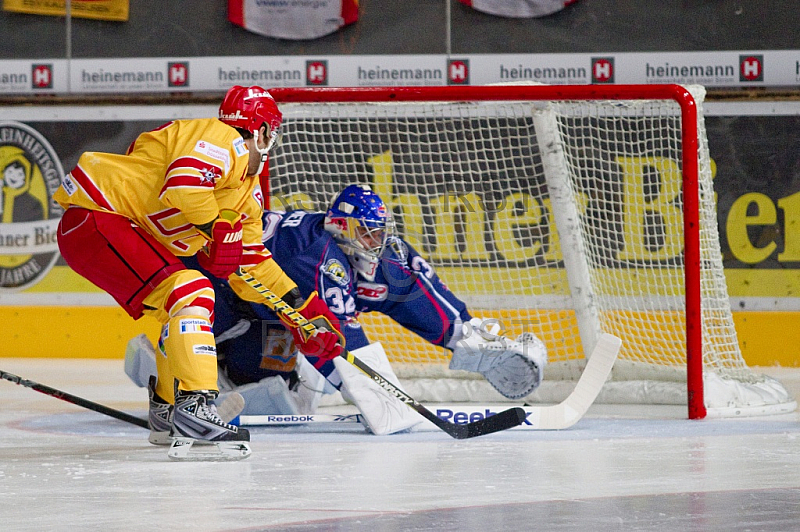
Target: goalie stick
554, 417
501, 421
297, 419
74, 399
572, 409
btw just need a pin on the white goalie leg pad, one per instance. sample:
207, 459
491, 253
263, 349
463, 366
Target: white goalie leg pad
272, 395
513, 367
268, 396
310, 387
140, 360
382, 413
229, 406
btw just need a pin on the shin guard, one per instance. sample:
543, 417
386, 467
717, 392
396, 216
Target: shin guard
191, 352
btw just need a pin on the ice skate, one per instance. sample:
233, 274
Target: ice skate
199, 433
159, 417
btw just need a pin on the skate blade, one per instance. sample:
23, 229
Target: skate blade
191, 450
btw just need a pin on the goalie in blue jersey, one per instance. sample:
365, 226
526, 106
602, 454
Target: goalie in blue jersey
351, 256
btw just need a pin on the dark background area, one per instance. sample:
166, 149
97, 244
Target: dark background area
200, 28
753, 154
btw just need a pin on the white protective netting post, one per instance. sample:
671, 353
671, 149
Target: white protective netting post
560, 216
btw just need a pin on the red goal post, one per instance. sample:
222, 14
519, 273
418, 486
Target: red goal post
307, 105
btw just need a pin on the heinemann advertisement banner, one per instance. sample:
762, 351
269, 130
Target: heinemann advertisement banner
33, 77
745, 68
96, 9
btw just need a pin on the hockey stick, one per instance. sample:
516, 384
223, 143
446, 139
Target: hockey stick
68, 397
570, 410
555, 417
501, 421
591, 381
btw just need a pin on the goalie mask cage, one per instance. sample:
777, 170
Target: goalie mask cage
565, 211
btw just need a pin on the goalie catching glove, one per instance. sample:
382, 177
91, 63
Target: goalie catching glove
514, 368
328, 341
223, 254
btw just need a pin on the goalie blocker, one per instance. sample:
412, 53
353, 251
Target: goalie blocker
514, 368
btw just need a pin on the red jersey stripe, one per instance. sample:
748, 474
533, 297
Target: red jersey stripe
252, 259
88, 186
197, 164
185, 181
257, 248
194, 289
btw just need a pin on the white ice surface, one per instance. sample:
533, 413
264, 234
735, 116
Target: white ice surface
621, 468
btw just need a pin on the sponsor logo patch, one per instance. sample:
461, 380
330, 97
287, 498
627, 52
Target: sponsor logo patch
69, 184
204, 350
239, 147
373, 291
195, 326
214, 151
164, 335
336, 271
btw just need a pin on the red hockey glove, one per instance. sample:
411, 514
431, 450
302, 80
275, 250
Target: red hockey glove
223, 254
328, 342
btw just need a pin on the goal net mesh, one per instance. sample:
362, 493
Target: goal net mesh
472, 186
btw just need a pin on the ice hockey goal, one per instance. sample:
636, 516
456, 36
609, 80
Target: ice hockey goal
562, 210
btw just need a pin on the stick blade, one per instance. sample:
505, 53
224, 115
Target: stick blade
506, 419
588, 387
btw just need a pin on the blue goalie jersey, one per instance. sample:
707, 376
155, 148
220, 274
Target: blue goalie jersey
406, 288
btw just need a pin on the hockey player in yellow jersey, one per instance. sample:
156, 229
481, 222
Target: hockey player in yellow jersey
189, 187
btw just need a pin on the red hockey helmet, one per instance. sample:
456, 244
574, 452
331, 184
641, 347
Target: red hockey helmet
248, 108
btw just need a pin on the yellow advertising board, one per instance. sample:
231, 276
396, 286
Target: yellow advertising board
95, 9
46, 310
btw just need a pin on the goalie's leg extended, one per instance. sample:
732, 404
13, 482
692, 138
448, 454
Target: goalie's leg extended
381, 412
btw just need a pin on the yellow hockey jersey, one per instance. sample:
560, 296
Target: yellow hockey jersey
173, 178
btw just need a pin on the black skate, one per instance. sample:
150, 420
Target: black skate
195, 422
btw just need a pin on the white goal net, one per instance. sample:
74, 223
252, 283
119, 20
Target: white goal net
564, 216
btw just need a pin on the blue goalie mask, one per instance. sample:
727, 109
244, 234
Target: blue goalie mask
361, 224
